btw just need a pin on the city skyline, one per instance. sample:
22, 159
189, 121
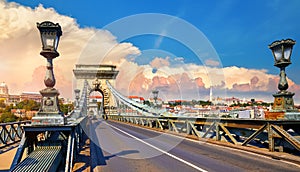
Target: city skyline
237, 32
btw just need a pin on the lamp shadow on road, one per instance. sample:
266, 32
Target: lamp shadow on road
122, 153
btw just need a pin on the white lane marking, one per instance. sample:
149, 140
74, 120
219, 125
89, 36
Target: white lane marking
164, 152
223, 147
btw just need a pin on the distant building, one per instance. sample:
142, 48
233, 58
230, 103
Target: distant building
3, 89
31, 96
12, 99
95, 98
226, 101
137, 99
22, 113
232, 100
4, 92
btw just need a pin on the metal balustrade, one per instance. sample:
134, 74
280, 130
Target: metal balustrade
11, 133
281, 135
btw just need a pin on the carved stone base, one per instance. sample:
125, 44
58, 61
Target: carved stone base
283, 101
49, 113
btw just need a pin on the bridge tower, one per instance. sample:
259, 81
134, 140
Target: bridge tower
100, 74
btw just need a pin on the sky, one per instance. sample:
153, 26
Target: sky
181, 47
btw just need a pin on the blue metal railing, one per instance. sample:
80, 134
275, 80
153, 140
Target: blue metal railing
11, 133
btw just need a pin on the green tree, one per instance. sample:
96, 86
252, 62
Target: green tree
147, 102
7, 117
65, 108
2, 104
28, 105
9, 108
204, 103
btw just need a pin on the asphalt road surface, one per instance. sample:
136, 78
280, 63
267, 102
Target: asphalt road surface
120, 147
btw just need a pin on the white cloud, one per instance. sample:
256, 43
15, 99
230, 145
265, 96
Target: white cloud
240, 75
20, 46
20, 60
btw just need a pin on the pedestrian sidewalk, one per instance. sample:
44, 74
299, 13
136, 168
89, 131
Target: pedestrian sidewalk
6, 159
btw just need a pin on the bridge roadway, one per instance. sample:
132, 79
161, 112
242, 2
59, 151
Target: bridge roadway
117, 146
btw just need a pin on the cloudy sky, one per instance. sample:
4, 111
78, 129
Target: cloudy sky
181, 47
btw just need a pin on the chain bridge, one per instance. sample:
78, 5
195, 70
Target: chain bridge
122, 134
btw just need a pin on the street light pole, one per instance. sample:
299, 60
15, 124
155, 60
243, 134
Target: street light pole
49, 113
155, 96
282, 50
77, 91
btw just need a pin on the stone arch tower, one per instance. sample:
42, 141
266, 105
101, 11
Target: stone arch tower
102, 73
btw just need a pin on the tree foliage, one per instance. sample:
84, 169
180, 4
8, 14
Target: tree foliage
7, 117
2, 104
28, 105
65, 108
189, 103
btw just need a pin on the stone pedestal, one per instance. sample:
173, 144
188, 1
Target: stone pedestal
283, 101
49, 113
283, 107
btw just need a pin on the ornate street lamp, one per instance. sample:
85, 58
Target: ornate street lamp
50, 34
49, 113
282, 50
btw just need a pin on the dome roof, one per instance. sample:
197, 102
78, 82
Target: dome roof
3, 84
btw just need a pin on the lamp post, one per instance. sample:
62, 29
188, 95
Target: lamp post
282, 50
49, 113
155, 96
77, 91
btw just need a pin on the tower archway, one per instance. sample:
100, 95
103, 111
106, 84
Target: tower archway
93, 98
96, 76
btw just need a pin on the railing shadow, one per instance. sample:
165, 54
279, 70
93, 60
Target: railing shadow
9, 147
96, 157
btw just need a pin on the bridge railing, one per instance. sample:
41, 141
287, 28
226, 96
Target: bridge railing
11, 133
276, 135
81, 110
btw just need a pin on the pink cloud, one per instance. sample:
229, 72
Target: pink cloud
160, 62
254, 81
172, 87
139, 85
199, 82
36, 84
37, 80
241, 87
